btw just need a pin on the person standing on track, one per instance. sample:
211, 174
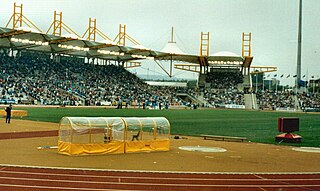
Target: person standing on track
8, 111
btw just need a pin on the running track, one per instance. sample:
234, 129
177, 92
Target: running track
50, 179
17, 178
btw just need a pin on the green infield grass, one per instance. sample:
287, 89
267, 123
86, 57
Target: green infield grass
257, 126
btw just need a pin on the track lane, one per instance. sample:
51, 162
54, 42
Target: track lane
19, 178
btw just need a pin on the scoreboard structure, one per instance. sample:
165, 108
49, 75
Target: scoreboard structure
287, 126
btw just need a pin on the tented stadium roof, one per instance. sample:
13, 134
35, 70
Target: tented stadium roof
172, 48
25, 38
226, 59
225, 56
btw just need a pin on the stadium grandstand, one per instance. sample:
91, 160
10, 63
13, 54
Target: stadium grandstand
54, 69
33, 78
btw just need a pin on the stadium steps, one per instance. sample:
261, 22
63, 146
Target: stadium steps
250, 101
199, 99
296, 103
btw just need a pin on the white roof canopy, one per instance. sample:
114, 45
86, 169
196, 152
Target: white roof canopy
225, 53
172, 48
75, 46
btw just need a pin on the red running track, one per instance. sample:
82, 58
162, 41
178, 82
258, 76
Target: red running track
28, 134
50, 179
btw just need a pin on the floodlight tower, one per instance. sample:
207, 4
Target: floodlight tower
299, 43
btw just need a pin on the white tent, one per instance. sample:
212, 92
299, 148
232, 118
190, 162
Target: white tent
172, 48
225, 54
225, 58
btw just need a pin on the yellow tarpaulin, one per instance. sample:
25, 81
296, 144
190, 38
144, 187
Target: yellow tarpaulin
103, 135
115, 147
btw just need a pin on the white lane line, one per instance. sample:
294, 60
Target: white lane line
122, 176
110, 176
279, 181
260, 177
157, 178
59, 188
157, 184
227, 186
104, 182
150, 171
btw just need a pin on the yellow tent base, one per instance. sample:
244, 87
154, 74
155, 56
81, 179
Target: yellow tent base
113, 147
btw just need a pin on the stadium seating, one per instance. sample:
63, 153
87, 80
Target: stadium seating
35, 78
38, 78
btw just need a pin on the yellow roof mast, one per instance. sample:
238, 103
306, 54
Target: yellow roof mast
58, 25
204, 52
246, 53
121, 37
93, 31
18, 18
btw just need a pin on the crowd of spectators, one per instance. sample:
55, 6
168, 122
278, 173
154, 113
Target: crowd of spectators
36, 78
224, 79
223, 89
222, 97
32, 79
309, 101
272, 100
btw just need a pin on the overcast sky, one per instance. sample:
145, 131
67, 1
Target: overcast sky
273, 24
